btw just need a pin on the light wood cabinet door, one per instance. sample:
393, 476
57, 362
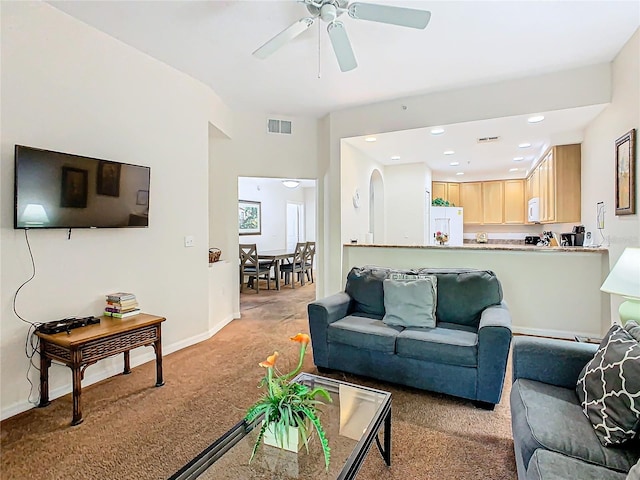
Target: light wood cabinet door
453, 194
533, 185
567, 172
551, 189
471, 201
438, 190
493, 202
514, 202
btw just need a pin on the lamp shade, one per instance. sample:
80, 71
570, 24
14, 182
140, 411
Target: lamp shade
624, 277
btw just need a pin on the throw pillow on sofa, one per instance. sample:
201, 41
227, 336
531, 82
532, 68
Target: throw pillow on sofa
609, 388
432, 278
409, 303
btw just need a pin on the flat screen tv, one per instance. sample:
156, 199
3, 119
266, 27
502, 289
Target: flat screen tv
61, 190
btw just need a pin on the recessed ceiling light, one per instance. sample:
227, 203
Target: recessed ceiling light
518, 159
395, 157
454, 164
449, 152
437, 131
370, 139
535, 119
514, 169
524, 145
460, 173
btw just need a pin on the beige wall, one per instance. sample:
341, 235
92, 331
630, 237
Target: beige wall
68, 87
598, 159
356, 169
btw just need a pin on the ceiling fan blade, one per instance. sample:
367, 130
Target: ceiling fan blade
342, 46
288, 34
405, 17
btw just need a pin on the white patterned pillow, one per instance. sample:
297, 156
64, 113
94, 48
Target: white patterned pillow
609, 388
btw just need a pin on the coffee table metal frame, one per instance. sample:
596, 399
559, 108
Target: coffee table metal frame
216, 450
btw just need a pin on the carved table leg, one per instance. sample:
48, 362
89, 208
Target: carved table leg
157, 346
76, 372
127, 363
45, 363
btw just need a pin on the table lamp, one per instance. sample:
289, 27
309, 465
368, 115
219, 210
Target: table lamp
624, 280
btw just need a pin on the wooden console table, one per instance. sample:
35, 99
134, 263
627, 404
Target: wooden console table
84, 346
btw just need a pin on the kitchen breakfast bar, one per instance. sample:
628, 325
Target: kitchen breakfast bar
551, 291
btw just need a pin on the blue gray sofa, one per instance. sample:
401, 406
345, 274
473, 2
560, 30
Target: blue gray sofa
464, 355
553, 439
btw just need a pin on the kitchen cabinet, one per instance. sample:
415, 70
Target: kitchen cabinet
438, 190
471, 201
533, 185
514, 202
449, 191
558, 177
493, 202
453, 194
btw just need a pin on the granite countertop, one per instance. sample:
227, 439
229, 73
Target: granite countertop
490, 246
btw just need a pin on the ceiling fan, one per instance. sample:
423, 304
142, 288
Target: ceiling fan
329, 10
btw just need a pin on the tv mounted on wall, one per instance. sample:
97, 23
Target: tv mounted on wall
61, 190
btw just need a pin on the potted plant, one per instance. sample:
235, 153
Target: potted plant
288, 405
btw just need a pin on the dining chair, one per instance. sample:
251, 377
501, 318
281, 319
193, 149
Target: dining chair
296, 265
308, 262
251, 267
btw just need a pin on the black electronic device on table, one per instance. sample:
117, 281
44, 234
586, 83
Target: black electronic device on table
66, 325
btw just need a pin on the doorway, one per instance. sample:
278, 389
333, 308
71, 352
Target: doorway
295, 225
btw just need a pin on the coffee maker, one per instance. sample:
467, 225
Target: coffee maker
573, 239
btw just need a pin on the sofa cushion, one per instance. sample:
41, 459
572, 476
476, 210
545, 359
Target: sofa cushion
364, 332
546, 465
609, 386
550, 417
463, 293
409, 303
439, 345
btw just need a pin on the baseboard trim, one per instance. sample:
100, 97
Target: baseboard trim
540, 332
143, 357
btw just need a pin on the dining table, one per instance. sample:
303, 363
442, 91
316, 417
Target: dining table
277, 256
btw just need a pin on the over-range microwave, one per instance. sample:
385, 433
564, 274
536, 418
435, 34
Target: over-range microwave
533, 214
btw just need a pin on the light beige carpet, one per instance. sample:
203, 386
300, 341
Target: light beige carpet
132, 430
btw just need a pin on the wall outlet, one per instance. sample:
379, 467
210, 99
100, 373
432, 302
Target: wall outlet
188, 241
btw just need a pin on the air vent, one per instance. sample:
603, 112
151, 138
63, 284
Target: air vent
278, 126
488, 139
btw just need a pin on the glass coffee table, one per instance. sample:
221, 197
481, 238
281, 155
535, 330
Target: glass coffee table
356, 417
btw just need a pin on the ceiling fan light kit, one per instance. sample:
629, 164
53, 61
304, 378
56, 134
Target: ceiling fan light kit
329, 10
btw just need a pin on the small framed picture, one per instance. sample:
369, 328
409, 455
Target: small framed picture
74, 187
249, 217
626, 174
143, 197
108, 182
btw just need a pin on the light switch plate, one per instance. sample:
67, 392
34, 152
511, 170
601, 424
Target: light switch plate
188, 241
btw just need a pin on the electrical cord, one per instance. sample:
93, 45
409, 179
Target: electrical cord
32, 342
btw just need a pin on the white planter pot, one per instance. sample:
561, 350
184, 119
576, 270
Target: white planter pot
291, 440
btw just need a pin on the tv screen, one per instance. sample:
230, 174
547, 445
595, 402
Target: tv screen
61, 190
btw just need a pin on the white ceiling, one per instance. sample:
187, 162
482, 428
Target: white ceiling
466, 43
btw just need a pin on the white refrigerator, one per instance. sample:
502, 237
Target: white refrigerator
447, 220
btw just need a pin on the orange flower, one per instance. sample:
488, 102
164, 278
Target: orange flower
302, 338
271, 361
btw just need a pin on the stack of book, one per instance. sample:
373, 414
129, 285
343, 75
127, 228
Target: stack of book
121, 305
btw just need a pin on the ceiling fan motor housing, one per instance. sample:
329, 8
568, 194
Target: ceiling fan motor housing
328, 12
